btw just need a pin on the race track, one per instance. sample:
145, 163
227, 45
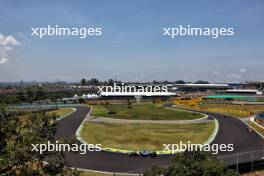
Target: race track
231, 131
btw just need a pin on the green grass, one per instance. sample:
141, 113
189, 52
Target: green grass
260, 99
143, 112
90, 173
144, 136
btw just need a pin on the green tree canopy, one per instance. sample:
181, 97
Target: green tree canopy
17, 133
193, 164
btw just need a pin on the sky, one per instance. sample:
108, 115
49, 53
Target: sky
132, 46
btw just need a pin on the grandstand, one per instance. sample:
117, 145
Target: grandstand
200, 87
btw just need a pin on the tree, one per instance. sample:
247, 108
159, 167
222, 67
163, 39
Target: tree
201, 82
81, 100
10, 99
110, 82
94, 81
179, 82
30, 94
21, 96
193, 163
165, 82
8, 87
39, 95
3, 124
83, 81
16, 136
155, 82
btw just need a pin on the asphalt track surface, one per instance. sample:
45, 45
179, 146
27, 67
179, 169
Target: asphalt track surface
231, 131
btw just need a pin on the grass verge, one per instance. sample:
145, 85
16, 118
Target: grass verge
90, 173
144, 136
143, 112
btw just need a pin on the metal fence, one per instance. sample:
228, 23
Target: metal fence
245, 161
32, 106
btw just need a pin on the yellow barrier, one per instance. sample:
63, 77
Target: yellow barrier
228, 110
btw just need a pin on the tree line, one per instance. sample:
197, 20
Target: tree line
17, 133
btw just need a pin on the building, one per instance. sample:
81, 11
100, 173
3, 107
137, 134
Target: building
200, 87
248, 92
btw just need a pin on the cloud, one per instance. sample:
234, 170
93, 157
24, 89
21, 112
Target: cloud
6, 46
8, 40
4, 60
242, 70
215, 72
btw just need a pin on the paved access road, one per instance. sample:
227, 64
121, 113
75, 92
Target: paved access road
234, 131
231, 130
